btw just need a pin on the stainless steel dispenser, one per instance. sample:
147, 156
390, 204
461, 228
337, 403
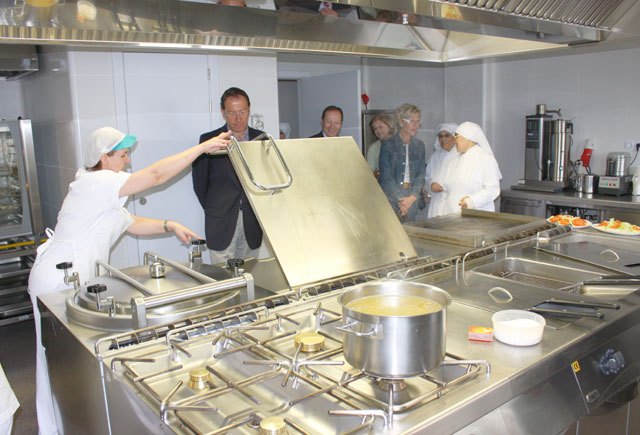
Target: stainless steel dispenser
20, 213
547, 146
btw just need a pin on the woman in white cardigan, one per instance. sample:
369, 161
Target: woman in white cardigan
474, 181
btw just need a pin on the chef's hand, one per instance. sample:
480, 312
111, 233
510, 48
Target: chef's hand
464, 202
220, 142
182, 232
436, 187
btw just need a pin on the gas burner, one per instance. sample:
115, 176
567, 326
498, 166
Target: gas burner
309, 341
273, 426
303, 377
199, 379
449, 373
391, 384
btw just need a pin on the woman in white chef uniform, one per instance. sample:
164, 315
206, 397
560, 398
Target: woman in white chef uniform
474, 181
91, 220
439, 168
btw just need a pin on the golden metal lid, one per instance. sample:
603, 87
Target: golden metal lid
273, 426
199, 379
311, 341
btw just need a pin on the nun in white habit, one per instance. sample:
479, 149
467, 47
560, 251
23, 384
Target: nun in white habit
439, 168
285, 130
474, 181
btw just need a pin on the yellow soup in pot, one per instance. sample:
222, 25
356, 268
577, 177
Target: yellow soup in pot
394, 305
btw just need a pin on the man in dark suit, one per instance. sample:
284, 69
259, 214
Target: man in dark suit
231, 226
331, 122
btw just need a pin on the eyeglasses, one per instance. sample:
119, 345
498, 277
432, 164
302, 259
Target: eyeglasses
239, 114
456, 135
410, 121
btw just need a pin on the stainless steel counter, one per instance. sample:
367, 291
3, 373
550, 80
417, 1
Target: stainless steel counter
578, 199
522, 386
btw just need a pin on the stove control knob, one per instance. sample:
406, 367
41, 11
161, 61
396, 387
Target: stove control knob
612, 362
235, 265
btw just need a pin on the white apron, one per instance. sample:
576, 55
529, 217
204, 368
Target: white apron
89, 223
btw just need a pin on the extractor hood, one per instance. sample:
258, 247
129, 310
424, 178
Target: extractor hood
17, 61
425, 30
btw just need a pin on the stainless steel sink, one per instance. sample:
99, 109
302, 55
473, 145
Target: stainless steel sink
537, 273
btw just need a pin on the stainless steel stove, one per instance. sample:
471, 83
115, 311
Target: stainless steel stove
286, 366
278, 361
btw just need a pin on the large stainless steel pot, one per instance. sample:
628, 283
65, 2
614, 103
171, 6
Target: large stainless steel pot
394, 346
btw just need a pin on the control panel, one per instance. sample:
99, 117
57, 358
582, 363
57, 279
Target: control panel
609, 182
608, 369
608, 185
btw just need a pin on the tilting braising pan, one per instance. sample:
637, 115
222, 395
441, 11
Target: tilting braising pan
394, 329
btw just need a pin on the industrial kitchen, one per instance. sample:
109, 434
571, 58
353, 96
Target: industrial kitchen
369, 292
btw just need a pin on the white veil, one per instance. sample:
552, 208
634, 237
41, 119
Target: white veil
473, 132
445, 126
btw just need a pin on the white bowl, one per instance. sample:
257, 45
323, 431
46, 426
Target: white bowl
518, 327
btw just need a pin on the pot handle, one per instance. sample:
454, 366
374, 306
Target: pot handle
347, 328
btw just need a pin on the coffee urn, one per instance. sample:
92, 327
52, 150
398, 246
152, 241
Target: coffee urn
547, 146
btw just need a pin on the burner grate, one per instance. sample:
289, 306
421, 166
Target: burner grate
258, 370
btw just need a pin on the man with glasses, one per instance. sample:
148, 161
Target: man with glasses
231, 226
402, 164
331, 122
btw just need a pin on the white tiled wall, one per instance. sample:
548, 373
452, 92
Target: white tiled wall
388, 83
598, 91
257, 76
89, 91
12, 102
48, 102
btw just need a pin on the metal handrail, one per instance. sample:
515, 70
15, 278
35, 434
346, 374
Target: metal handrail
272, 143
184, 269
124, 277
140, 305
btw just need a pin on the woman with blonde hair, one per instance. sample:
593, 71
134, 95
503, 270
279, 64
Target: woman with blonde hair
383, 127
402, 164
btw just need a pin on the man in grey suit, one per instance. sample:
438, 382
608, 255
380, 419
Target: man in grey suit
331, 122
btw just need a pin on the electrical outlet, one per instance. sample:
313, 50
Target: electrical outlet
628, 146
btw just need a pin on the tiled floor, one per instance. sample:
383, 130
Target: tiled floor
18, 357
